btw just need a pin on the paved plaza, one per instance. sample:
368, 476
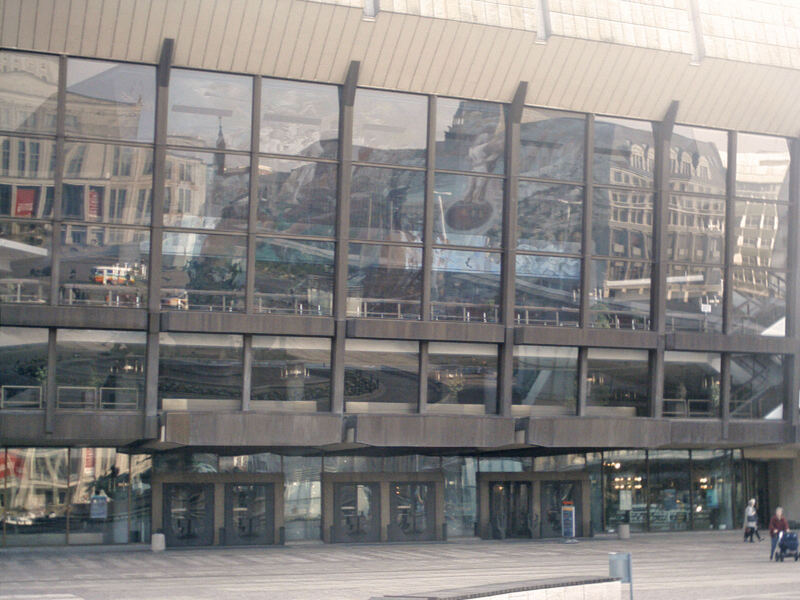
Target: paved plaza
684, 566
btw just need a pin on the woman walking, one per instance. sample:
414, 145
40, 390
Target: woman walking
751, 521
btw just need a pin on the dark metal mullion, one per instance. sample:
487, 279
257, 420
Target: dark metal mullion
423, 377
347, 94
427, 236
247, 372
156, 239
730, 223
586, 263
255, 127
725, 393
50, 396
58, 180
792, 362
508, 281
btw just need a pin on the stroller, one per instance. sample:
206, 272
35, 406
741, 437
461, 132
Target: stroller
787, 546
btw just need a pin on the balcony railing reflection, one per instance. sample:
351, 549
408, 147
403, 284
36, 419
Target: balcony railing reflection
620, 319
202, 300
290, 304
547, 316
21, 396
90, 294
103, 398
469, 312
22, 290
383, 308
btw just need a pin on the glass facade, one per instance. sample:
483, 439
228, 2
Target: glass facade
269, 210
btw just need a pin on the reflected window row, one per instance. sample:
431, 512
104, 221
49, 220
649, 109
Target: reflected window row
105, 370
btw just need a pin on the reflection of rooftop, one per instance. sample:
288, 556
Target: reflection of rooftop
11, 250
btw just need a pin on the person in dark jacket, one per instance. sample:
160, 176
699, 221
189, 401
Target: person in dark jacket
777, 524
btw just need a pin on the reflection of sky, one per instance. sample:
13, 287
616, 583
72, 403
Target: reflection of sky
214, 92
117, 82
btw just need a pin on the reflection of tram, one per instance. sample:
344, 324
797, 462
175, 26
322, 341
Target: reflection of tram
115, 275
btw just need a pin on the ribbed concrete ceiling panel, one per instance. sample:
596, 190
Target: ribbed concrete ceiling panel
310, 40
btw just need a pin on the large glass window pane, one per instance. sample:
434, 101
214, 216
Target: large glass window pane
625, 476
691, 384
387, 204
208, 191
698, 160
694, 298
762, 167
110, 100
26, 177
102, 370
105, 183
462, 378
297, 198
25, 261
466, 286
618, 383
549, 217
211, 110
294, 276
200, 371
545, 380
390, 128
548, 290
203, 272
551, 144
460, 497
28, 92
37, 496
384, 281
622, 223
759, 302
669, 490
381, 376
103, 266
99, 491
291, 373
696, 229
761, 232
141, 501
23, 370
468, 210
302, 493
624, 152
299, 118
470, 135
712, 489
757, 386
620, 294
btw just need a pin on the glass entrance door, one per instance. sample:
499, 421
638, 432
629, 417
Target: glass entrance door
510, 513
554, 494
249, 514
356, 512
412, 508
188, 514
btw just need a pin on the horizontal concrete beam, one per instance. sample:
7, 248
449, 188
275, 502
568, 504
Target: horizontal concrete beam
73, 317
70, 429
239, 323
424, 330
440, 431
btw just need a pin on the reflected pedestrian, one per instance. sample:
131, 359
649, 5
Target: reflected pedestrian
777, 525
751, 521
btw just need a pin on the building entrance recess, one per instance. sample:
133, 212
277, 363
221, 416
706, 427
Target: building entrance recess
218, 509
383, 507
526, 504
249, 514
188, 514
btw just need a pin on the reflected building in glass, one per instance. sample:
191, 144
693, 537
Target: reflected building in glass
345, 298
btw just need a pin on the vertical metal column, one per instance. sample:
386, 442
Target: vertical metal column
58, 180
662, 133
727, 281
247, 371
255, 137
347, 97
427, 235
156, 240
423, 378
50, 396
586, 262
792, 362
509, 266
